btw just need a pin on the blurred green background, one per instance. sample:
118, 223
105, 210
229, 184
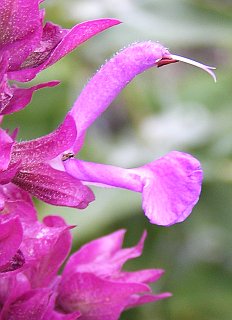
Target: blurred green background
173, 108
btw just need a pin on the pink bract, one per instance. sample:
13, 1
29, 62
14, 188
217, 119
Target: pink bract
27, 46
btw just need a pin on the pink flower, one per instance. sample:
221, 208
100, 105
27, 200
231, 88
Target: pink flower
170, 186
92, 284
27, 47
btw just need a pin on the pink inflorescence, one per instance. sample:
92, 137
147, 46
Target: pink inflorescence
92, 285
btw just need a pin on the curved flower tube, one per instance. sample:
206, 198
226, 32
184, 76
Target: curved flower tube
170, 186
115, 75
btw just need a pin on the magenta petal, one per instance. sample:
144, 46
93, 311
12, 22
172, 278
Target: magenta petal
2, 202
25, 211
6, 144
107, 302
52, 35
47, 147
21, 97
7, 175
61, 316
172, 185
104, 256
142, 276
32, 305
137, 300
53, 314
18, 203
6, 92
71, 39
12, 285
53, 186
12, 193
11, 234
21, 29
4, 60
93, 283
46, 248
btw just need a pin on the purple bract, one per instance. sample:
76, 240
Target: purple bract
27, 46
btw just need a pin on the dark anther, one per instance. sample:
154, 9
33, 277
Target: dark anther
16, 262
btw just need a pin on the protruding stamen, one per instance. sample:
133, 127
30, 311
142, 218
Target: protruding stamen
196, 64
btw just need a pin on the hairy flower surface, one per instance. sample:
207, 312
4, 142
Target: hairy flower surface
27, 46
170, 186
92, 284
29, 168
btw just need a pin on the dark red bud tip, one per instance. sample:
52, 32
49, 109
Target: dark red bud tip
164, 61
16, 262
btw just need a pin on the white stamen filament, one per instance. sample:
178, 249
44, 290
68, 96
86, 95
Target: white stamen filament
196, 64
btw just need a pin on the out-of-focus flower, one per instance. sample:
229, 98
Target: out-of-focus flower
170, 185
27, 46
92, 284
32, 253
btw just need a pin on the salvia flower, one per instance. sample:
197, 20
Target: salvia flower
96, 267
27, 46
170, 186
92, 284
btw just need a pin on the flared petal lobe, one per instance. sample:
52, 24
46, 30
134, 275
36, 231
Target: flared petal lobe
108, 301
19, 98
103, 256
170, 186
93, 282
